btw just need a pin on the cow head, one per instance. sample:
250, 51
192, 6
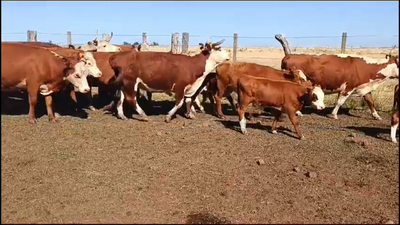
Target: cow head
136, 48
216, 54
75, 73
317, 96
104, 45
88, 65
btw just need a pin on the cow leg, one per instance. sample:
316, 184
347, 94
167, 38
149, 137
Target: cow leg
131, 98
189, 108
293, 119
218, 99
90, 98
198, 104
32, 95
277, 115
341, 100
394, 124
178, 104
242, 119
120, 109
368, 98
49, 108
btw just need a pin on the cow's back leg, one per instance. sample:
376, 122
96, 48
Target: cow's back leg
343, 96
49, 108
131, 97
32, 96
90, 99
394, 124
218, 99
241, 109
277, 114
179, 98
293, 119
368, 98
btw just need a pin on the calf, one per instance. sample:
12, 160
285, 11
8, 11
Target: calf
228, 74
40, 70
395, 115
286, 96
343, 74
164, 72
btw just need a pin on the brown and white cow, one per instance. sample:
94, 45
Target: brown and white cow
164, 72
228, 74
40, 70
285, 96
395, 115
100, 46
342, 73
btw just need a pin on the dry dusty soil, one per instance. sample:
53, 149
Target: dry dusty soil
105, 170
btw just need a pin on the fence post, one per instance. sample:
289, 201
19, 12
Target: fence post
235, 40
175, 43
144, 38
32, 36
343, 45
185, 42
69, 38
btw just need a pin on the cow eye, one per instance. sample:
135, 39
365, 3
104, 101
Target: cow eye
77, 76
104, 46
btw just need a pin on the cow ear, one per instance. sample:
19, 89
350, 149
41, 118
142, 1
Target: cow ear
81, 56
201, 45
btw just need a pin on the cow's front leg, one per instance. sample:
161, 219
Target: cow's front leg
343, 96
189, 108
368, 98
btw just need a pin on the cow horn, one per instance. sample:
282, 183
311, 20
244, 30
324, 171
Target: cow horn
219, 42
109, 38
97, 35
390, 52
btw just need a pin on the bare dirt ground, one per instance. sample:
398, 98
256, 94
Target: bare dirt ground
105, 170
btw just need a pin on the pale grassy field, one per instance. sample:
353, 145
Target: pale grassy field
271, 56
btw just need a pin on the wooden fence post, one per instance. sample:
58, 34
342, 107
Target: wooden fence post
343, 45
69, 38
235, 43
32, 36
144, 38
185, 42
175, 43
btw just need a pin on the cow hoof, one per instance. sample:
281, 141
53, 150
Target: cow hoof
57, 115
144, 119
92, 108
274, 132
122, 117
377, 117
302, 137
33, 121
190, 115
53, 120
202, 111
168, 119
333, 116
394, 141
245, 132
298, 113
221, 117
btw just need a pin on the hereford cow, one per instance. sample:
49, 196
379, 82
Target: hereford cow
395, 115
228, 74
41, 71
164, 72
285, 96
343, 74
100, 46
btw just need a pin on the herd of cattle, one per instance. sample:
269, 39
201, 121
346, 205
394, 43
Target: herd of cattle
120, 71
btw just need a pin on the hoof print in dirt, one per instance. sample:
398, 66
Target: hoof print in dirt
311, 174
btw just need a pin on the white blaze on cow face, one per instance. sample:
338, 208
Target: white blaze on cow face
105, 46
79, 78
390, 71
217, 56
319, 93
89, 67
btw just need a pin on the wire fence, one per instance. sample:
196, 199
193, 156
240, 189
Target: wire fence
334, 41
